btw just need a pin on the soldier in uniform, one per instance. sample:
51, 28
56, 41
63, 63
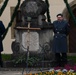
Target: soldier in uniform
61, 30
2, 30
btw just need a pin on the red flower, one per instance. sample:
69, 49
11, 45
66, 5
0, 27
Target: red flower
74, 67
56, 68
67, 67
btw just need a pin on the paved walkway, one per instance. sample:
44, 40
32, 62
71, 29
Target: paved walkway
10, 73
13, 73
18, 71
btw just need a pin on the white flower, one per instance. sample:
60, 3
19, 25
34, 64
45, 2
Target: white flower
52, 69
64, 70
58, 70
71, 70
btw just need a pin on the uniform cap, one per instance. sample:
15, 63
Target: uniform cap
59, 15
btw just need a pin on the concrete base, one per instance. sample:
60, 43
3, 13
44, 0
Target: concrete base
40, 64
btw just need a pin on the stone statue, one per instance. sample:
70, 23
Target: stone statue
35, 9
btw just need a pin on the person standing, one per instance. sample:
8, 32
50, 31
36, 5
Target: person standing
2, 30
61, 30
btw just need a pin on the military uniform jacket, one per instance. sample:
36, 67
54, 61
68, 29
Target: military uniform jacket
2, 30
61, 30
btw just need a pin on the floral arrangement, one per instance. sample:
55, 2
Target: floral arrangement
54, 73
67, 70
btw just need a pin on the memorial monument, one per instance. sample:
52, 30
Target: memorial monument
33, 34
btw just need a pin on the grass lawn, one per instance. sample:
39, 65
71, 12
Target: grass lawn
6, 57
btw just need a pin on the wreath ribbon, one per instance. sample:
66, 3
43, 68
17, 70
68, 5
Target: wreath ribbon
70, 11
3, 6
12, 19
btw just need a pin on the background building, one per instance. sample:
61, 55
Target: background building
56, 6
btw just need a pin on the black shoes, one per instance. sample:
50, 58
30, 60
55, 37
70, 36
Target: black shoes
1, 64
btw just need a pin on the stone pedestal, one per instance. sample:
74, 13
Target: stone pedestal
25, 39
39, 42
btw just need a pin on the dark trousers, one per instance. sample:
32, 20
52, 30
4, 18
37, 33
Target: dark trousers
61, 59
1, 62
